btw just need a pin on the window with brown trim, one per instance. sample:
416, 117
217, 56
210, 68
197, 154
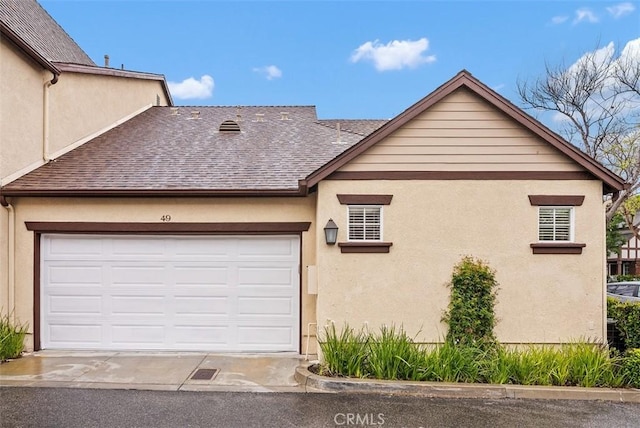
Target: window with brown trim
364, 223
556, 224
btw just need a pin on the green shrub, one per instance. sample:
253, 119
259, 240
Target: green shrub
11, 338
627, 316
631, 368
470, 314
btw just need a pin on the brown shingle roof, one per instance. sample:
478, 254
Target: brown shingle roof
28, 20
160, 151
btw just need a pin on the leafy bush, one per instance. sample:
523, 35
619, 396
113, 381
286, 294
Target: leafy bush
470, 314
631, 367
627, 316
11, 338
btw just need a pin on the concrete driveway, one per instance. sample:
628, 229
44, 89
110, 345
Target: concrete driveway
155, 371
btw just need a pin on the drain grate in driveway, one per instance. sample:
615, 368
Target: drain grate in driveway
204, 374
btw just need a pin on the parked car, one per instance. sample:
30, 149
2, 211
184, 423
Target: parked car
628, 291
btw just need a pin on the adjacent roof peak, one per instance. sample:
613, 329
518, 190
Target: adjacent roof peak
32, 24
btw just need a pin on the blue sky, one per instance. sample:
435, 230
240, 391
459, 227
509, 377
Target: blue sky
351, 59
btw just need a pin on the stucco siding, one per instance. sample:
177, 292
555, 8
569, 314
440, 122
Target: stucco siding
462, 133
83, 104
151, 210
432, 225
21, 120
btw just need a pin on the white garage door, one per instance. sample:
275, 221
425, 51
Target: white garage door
170, 293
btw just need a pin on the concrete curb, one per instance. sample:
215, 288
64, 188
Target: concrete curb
314, 383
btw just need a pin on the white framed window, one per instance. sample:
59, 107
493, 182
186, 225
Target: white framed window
365, 222
555, 224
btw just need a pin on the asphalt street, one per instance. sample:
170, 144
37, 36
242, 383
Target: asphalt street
61, 407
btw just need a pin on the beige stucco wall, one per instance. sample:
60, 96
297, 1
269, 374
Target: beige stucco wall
433, 224
21, 86
150, 210
83, 104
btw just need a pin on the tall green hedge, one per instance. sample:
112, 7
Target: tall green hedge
627, 316
470, 314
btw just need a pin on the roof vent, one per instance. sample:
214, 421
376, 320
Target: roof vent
259, 117
174, 111
284, 115
339, 134
195, 114
238, 114
229, 126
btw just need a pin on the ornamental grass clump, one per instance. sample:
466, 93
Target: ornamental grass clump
344, 353
394, 355
11, 338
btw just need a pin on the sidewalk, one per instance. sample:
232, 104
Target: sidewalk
154, 370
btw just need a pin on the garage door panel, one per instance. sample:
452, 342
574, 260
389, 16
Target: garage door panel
219, 249
264, 275
201, 305
266, 249
73, 304
137, 247
138, 334
171, 293
127, 304
196, 335
64, 334
63, 248
265, 306
189, 274
138, 275
257, 336
81, 275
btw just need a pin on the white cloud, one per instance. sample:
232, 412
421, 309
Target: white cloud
270, 71
395, 55
192, 89
585, 14
621, 9
559, 19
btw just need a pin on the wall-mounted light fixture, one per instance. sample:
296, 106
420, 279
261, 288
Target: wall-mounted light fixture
331, 232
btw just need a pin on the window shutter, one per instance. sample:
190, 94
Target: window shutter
554, 224
364, 223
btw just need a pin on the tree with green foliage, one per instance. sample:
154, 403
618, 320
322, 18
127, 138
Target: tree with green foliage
470, 315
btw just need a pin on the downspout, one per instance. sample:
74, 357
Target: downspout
45, 117
11, 268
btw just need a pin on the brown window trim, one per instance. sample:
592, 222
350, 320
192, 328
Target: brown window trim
557, 248
365, 199
364, 247
574, 200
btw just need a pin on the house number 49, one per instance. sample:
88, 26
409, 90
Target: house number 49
165, 217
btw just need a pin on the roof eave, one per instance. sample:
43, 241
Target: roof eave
114, 72
150, 193
611, 181
27, 49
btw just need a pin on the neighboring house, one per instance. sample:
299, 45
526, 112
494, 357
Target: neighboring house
204, 230
627, 261
54, 98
